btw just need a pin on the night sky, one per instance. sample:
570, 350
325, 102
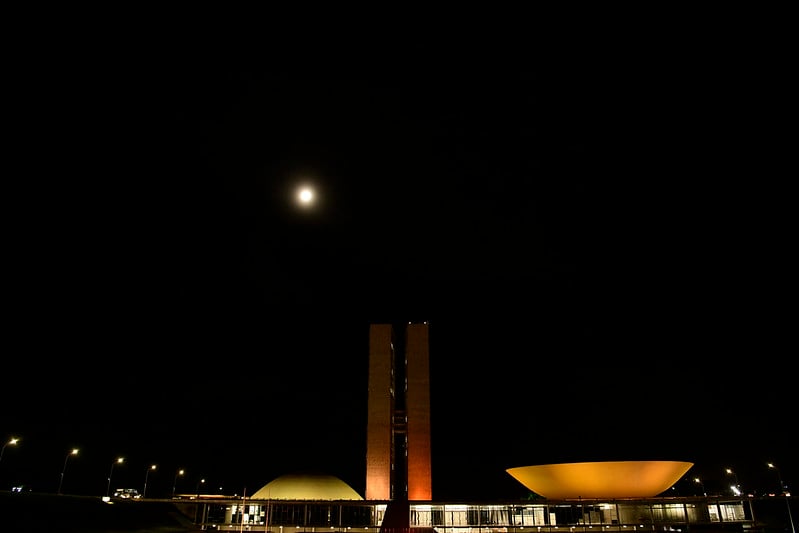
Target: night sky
597, 229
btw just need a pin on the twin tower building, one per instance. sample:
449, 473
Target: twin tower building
398, 451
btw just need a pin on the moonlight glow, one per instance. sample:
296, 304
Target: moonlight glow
305, 196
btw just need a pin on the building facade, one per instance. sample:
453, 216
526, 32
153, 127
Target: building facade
398, 451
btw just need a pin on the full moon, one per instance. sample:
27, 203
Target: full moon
305, 196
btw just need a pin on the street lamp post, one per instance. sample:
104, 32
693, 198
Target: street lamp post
73, 451
784, 491
175, 483
197, 488
736, 489
12, 442
147, 475
119, 461
779, 477
699, 482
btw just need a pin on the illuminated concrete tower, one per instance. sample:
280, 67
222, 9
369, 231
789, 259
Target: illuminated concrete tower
398, 426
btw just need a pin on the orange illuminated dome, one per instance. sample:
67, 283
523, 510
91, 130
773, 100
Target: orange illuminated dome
605, 479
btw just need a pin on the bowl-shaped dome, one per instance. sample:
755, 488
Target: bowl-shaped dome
604, 479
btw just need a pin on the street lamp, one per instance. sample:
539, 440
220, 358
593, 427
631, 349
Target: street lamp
12, 442
197, 488
147, 475
119, 461
779, 477
784, 490
736, 489
73, 451
699, 481
174, 483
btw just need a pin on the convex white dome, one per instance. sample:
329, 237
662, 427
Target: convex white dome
306, 486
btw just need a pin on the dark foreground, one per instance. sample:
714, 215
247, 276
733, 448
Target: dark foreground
35, 513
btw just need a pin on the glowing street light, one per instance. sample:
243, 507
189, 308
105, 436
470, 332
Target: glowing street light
779, 477
73, 451
119, 461
197, 488
175, 483
784, 490
12, 442
147, 475
699, 482
736, 489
